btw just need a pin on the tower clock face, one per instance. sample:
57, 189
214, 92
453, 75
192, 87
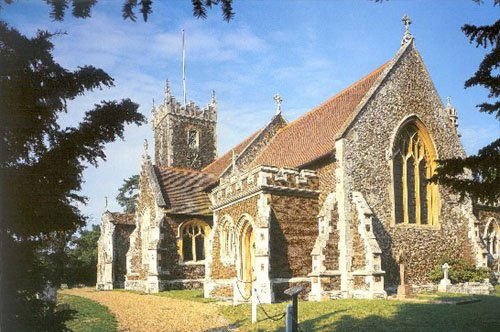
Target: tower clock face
194, 159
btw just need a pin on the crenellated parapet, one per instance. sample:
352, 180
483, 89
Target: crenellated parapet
191, 110
265, 178
184, 133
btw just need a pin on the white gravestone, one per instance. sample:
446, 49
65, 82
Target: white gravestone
445, 282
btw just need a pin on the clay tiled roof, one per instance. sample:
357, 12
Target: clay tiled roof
123, 218
184, 190
220, 164
313, 135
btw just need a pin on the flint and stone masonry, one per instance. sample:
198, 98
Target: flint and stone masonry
322, 202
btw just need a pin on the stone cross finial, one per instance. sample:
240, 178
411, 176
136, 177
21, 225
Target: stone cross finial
407, 35
106, 203
277, 98
214, 101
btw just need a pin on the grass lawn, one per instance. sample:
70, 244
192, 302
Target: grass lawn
87, 315
378, 315
190, 295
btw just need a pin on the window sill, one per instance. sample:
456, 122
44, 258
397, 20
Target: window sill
193, 263
417, 226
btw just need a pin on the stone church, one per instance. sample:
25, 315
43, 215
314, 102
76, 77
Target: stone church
328, 201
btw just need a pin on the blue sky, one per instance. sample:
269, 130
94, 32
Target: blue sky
305, 50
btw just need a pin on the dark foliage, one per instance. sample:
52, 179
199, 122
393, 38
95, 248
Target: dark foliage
127, 194
83, 8
478, 176
460, 270
41, 167
81, 266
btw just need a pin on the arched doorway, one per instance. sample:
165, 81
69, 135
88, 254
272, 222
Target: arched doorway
247, 260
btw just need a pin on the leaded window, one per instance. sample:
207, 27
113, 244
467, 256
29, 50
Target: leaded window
192, 241
415, 198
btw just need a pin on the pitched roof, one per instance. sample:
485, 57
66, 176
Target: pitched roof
220, 164
184, 190
313, 134
120, 218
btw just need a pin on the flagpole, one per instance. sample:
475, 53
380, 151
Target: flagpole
183, 69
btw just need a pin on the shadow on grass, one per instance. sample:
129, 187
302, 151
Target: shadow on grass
479, 316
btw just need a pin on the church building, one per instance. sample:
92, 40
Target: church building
331, 201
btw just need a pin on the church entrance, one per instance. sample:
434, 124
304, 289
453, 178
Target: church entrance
247, 250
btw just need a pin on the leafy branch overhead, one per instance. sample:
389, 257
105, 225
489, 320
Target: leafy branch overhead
83, 9
478, 176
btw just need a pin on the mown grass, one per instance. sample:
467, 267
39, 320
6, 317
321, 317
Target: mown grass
378, 315
87, 316
188, 294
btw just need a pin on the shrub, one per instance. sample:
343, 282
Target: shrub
460, 271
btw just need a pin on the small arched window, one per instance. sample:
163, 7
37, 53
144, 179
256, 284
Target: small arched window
192, 242
227, 241
413, 163
193, 138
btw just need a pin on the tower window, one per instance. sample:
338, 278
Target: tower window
415, 199
193, 138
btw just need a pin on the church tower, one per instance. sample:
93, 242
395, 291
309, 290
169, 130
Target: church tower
184, 135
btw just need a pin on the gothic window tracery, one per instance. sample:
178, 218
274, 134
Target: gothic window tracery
192, 241
413, 163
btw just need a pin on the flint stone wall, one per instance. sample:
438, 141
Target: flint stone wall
182, 154
294, 229
408, 90
325, 169
120, 248
245, 160
170, 263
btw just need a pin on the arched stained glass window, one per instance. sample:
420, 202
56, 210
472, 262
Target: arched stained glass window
415, 199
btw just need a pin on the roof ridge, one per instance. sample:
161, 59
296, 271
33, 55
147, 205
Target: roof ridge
337, 95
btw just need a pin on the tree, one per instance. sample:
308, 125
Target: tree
127, 194
82, 258
478, 176
83, 9
41, 166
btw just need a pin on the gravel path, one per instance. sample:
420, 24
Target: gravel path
150, 313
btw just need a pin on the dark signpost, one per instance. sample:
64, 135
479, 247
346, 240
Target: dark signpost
294, 293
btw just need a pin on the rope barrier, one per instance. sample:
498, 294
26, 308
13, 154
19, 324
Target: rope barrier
281, 316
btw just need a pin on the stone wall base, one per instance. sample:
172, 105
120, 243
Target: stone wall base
104, 286
178, 284
479, 288
136, 285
